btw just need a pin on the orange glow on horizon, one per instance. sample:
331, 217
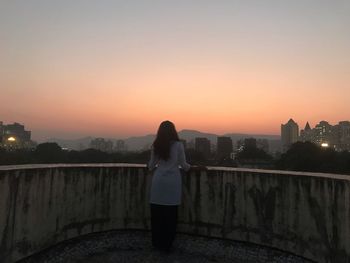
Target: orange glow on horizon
206, 100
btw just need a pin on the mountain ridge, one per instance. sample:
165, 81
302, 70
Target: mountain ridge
137, 143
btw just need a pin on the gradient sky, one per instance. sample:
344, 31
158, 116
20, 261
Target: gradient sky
118, 68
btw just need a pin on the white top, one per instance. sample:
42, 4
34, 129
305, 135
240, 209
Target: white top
166, 182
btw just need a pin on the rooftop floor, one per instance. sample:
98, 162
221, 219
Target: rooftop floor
135, 246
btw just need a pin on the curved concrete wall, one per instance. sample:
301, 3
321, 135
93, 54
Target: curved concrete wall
306, 214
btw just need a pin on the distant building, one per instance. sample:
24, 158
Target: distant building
17, 130
202, 145
334, 136
1, 131
343, 132
102, 145
289, 134
14, 136
120, 146
307, 135
184, 142
190, 144
262, 144
224, 147
325, 133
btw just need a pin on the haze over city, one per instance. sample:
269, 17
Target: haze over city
118, 68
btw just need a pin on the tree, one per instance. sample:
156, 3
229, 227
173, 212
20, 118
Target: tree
49, 152
306, 156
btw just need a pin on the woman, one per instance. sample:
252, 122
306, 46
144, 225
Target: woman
167, 156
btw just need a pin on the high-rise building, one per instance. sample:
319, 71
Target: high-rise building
202, 145
289, 134
224, 147
343, 131
334, 136
325, 133
307, 135
1, 131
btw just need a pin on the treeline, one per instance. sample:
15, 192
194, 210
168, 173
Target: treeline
302, 156
53, 153
309, 157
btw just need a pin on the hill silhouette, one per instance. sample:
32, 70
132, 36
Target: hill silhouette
138, 143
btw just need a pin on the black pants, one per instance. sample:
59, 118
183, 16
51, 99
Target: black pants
163, 224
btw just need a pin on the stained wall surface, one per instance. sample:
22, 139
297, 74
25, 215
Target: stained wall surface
306, 214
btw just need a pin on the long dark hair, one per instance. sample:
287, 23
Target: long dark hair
166, 135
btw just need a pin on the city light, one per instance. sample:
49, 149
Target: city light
11, 139
324, 144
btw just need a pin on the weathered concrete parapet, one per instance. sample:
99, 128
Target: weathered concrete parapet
306, 214
41, 205
303, 213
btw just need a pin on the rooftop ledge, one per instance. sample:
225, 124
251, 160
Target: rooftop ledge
210, 168
305, 214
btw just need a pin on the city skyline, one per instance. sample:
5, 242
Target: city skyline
308, 125
117, 69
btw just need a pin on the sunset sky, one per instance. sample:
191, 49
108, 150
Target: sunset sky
118, 68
